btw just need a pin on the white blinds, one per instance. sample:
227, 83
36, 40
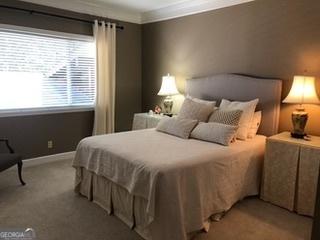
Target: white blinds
45, 71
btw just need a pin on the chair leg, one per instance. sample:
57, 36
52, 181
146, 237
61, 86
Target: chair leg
19, 172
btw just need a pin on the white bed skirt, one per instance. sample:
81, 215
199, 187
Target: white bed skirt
116, 200
167, 194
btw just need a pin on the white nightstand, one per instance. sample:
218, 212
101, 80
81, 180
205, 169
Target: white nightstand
145, 120
290, 174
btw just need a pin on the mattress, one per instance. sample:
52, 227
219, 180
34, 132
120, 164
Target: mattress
182, 182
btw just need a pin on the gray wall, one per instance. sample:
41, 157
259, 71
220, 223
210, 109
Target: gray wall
29, 134
274, 38
267, 38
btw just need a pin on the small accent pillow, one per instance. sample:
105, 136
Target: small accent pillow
177, 127
194, 110
247, 108
255, 124
228, 117
198, 100
215, 132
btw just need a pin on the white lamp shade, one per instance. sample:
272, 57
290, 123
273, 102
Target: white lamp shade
303, 91
168, 86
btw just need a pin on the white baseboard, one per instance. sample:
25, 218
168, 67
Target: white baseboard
48, 159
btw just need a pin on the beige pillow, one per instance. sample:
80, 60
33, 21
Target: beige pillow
214, 132
255, 124
177, 127
228, 117
247, 108
195, 110
198, 100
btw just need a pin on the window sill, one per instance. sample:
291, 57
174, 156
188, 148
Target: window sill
43, 111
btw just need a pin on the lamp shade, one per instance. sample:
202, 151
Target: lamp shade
168, 86
303, 91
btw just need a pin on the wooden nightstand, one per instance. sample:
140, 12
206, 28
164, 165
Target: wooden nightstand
146, 120
290, 174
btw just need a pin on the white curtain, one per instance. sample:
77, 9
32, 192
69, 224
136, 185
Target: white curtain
105, 38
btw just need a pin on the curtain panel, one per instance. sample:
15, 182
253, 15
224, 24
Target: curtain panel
105, 39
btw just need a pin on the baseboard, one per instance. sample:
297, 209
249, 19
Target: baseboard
48, 159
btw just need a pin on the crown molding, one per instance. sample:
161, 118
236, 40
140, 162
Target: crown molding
93, 8
188, 7
180, 9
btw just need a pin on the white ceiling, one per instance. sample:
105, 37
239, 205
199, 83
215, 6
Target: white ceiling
139, 11
140, 5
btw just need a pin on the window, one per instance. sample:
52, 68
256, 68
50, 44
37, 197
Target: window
45, 71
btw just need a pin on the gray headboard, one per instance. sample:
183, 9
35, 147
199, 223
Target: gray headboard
242, 88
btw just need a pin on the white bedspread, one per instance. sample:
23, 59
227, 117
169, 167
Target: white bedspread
183, 181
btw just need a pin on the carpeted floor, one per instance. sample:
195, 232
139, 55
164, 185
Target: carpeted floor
48, 204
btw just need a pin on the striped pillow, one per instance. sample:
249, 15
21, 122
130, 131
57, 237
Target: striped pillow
198, 100
195, 110
177, 127
228, 117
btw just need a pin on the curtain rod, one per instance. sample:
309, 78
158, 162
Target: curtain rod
54, 15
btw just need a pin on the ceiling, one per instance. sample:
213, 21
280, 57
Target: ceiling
139, 11
140, 5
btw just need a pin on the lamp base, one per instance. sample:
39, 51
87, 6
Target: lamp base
298, 135
299, 122
167, 104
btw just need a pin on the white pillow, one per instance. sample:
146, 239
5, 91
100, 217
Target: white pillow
177, 127
247, 108
255, 124
214, 132
198, 100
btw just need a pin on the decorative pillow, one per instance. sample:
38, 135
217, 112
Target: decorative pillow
228, 117
194, 110
198, 100
177, 127
255, 124
215, 132
247, 108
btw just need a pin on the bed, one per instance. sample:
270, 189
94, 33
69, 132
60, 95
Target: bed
166, 187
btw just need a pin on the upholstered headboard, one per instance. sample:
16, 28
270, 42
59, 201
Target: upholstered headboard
242, 88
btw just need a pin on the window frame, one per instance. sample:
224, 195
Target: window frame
45, 110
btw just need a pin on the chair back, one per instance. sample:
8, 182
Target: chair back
316, 220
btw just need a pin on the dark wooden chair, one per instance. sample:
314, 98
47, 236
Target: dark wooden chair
7, 160
316, 220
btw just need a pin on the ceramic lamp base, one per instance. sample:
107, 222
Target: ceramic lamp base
298, 135
299, 122
167, 104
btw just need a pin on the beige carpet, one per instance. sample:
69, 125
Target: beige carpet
48, 204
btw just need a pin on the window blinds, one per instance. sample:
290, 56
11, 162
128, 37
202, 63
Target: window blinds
45, 71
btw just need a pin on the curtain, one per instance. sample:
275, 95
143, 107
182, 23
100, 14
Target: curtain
105, 39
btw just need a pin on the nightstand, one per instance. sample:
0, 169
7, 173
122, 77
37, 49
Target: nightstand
290, 174
145, 120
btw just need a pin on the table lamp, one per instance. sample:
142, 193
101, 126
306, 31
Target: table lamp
302, 92
168, 89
